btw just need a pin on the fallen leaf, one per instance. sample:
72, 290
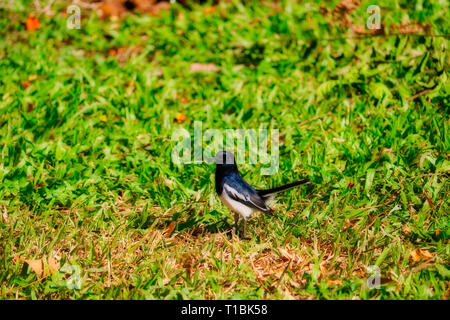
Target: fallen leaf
123, 54
332, 282
113, 52
170, 229
203, 67
406, 230
361, 273
110, 8
30, 107
38, 266
415, 255
426, 254
53, 265
151, 6
32, 22
103, 118
323, 269
180, 117
118, 8
32, 77
412, 28
363, 30
209, 10
418, 254
350, 184
342, 11
26, 84
324, 10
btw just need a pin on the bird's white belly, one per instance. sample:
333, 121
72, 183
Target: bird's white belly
236, 206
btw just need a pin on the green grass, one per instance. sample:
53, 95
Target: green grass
85, 154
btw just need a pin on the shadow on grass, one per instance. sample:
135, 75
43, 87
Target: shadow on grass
189, 220
212, 222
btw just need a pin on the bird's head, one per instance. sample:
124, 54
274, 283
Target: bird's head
225, 159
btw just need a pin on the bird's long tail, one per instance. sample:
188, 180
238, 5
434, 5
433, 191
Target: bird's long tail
269, 192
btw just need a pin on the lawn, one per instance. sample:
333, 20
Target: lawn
93, 207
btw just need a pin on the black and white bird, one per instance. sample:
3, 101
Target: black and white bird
238, 195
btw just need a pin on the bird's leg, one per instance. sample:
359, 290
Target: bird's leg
244, 229
236, 223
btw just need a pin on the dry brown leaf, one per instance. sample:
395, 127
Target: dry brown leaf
26, 84
360, 273
324, 10
170, 229
332, 282
209, 10
412, 28
363, 30
118, 8
415, 255
419, 254
53, 265
123, 54
112, 8
203, 67
406, 230
38, 266
343, 10
151, 6
426, 254
346, 6
322, 268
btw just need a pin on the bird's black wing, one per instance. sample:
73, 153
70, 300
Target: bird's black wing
242, 192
